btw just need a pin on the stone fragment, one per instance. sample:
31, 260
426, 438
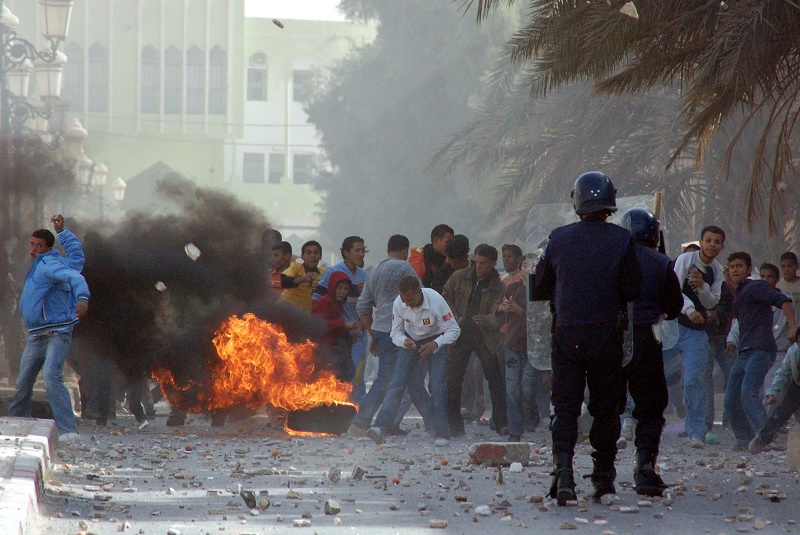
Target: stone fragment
438, 524
500, 453
759, 524
332, 507
515, 467
249, 498
567, 525
301, 523
607, 499
358, 473
483, 510
263, 504
334, 474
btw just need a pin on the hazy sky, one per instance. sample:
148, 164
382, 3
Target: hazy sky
293, 9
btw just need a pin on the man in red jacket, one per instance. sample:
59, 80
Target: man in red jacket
338, 334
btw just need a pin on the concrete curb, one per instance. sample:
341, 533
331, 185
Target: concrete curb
27, 450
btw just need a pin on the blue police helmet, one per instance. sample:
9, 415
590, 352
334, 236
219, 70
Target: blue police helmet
594, 192
643, 225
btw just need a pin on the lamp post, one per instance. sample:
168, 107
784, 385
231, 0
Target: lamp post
119, 190
18, 57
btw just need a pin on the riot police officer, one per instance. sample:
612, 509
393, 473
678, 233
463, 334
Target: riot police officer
644, 374
589, 272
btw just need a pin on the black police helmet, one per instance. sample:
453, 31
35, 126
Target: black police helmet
643, 225
594, 192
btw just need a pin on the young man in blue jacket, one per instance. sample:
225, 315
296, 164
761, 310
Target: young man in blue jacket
53, 299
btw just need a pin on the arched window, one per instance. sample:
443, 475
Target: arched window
98, 78
151, 80
72, 90
173, 80
195, 81
257, 77
217, 81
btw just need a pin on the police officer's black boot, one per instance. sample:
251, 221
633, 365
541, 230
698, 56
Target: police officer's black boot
562, 488
603, 475
645, 478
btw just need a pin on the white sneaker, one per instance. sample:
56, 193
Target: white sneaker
627, 429
143, 424
441, 442
68, 437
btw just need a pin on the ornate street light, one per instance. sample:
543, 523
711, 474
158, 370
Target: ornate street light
16, 56
19, 78
100, 174
73, 137
55, 16
48, 76
84, 170
119, 190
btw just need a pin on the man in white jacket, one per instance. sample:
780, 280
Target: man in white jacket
422, 327
701, 278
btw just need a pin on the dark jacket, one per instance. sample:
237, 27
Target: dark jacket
457, 291
430, 266
661, 290
589, 271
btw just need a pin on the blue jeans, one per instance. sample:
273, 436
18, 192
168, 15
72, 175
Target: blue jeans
387, 356
49, 351
359, 353
743, 395
716, 353
693, 347
433, 406
519, 375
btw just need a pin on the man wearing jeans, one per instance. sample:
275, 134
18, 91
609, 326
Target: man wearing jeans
701, 277
422, 325
379, 292
55, 296
512, 308
757, 348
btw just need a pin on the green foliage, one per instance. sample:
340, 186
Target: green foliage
736, 60
530, 150
384, 109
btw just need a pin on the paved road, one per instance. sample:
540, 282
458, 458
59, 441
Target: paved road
187, 480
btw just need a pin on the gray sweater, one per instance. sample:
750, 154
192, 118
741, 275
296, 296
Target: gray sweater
380, 291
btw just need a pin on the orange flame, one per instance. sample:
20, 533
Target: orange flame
259, 366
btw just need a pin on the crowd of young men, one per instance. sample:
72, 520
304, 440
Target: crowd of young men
431, 312
426, 312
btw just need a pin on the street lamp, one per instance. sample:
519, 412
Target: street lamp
73, 138
119, 190
16, 57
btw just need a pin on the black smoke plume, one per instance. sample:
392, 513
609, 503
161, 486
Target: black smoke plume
134, 327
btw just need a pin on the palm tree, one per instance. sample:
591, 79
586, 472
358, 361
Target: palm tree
531, 150
729, 59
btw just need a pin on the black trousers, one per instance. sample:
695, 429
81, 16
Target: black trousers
587, 355
644, 378
471, 340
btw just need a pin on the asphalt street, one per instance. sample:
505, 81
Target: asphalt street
190, 480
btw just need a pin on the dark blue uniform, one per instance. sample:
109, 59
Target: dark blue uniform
590, 272
644, 374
